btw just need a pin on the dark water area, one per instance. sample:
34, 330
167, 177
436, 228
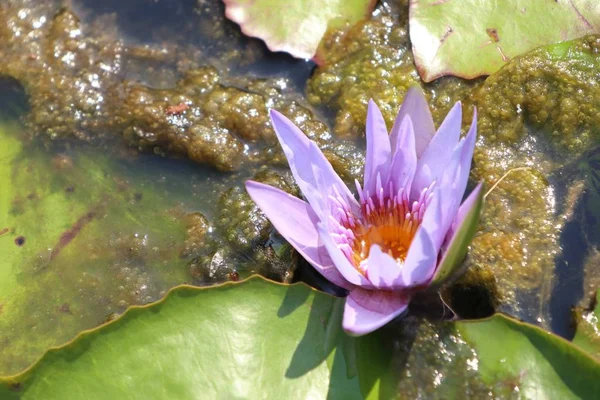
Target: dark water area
568, 290
13, 99
186, 22
579, 238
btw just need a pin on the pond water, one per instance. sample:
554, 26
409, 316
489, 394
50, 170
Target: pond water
128, 129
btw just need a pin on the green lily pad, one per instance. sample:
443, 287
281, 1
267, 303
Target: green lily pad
472, 38
529, 361
286, 341
280, 342
588, 330
10, 148
296, 26
82, 239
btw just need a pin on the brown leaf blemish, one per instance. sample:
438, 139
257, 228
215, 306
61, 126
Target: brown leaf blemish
65, 308
493, 34
71, 233
448, 32
20, 241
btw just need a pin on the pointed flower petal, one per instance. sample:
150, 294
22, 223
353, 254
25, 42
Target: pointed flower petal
367, 310
453, 183
296, 222
302, 155
382, 270
437, 220
415, 105
437, 155
404, 160
466, 157
378, 156
340, 261
460, 235
420, 261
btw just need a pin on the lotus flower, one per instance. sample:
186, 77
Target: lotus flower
407, 229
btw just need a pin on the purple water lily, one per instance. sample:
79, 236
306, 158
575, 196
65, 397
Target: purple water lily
400, 235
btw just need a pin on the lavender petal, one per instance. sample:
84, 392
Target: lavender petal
415, 105
296, 222
378, 155
367, 310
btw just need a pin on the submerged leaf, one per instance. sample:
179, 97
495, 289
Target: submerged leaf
472, 38
296, 26
82, 236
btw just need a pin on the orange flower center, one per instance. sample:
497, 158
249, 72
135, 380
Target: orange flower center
392, 227
387, 220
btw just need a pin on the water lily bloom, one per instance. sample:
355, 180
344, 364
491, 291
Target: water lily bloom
407, 227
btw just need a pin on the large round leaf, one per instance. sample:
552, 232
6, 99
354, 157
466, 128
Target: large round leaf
257, 339
294, 26
536, 363
261, 340
470, 38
